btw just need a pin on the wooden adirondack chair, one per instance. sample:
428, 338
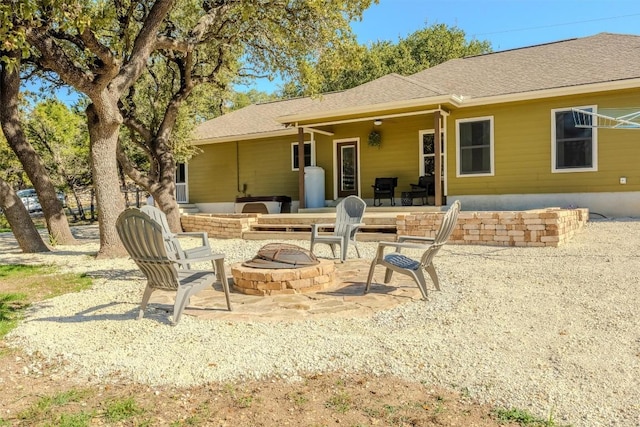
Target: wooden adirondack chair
395, 261
200, 251
349, 213
154, 251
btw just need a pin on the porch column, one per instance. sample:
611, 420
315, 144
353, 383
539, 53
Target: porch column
437, 151
301, 167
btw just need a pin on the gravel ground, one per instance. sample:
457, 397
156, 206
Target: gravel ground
554, 331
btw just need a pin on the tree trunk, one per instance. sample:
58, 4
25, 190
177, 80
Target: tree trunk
23, 229
52, 208
103, 136
165, 198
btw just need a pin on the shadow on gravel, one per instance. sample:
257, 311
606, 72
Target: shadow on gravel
92, 314
357, 289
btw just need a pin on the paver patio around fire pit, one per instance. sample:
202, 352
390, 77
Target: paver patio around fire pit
283, 281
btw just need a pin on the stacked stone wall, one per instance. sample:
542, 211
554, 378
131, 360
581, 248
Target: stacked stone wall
219, 226
540, 227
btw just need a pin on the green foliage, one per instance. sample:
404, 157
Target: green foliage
122, 409
43, 407
10, 306
60, 136
375, 138
238, 100
81, 419
35, 283
4, 224
523, 418
351, 64
11, 170
339, 402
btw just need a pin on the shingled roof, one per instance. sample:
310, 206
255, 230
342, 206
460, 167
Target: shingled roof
252, 120
600, 58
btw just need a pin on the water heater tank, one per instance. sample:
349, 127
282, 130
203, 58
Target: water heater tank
313, 187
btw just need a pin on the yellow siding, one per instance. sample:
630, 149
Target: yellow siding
219, 173
522, 155
522, 144
397, 156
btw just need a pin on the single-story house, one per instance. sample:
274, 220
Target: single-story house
496, 130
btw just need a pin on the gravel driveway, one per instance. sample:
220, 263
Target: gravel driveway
550, 330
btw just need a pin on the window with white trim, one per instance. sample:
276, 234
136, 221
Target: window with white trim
474, 143
309, 155
573, 149
427, 151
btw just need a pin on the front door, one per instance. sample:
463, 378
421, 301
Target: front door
347, 166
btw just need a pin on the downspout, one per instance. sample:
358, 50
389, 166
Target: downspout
437, 151
301, 203
240, 190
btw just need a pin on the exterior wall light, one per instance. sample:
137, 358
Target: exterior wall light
377, 122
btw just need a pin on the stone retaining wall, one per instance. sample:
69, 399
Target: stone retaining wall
219, 226
539, 227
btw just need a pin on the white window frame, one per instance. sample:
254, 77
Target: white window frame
594, 143
421, 154
491, 146
312, 145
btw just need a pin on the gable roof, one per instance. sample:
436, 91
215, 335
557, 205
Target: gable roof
253, 120
599, 59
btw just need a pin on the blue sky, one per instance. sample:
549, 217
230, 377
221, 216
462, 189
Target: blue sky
507, 24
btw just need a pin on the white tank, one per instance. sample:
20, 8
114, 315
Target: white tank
313, 187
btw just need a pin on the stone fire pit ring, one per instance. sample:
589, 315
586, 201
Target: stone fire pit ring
283, 281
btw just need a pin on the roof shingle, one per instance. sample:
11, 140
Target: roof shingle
600, 58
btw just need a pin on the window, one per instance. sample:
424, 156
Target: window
181, 173
309, 155
427, 144
573, 149
474, 140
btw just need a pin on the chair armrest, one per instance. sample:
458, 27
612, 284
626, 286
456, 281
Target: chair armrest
356, 226
352, 229
399, 245
315, 228
202, 234
325, 225
186, 261
417, 238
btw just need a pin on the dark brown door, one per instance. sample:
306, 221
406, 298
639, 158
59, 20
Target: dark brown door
347, 155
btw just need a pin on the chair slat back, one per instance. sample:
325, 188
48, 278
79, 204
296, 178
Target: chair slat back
447, 226
349, 211
149, 247
161, 218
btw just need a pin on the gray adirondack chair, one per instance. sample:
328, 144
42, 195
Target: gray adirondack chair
349, 213
395, 261
197, 252
154, 252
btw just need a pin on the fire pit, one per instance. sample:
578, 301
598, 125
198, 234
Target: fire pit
281, 269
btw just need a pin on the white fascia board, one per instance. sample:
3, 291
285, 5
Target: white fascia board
246, 137
372, 108
550, 93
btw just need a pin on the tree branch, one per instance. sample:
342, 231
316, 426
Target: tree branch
55, 58
143, 45
132, 171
